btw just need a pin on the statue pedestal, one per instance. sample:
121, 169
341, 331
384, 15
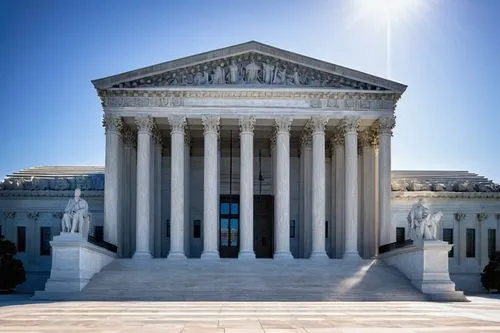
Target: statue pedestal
426, 266
74, 262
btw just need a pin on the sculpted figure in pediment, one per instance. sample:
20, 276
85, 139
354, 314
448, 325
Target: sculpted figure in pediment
218, 76
252, 72
279, 75
268, 71
200, 78
234, 72
295, 79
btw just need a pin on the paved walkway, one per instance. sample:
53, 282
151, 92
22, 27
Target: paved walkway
480, 315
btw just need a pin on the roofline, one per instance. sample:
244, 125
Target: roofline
255, 46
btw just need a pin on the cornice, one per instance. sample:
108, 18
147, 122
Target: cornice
50, 193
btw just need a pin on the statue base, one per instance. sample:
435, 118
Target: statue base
426, 266
74, 262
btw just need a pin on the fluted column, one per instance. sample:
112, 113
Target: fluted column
387, 232
128, 174
187, 194
112, 180
318, 124
369, 142
338, 144
246, 187
282, 207
178, 124
210, 183
157, 181
306, 202
351, 125
142, 246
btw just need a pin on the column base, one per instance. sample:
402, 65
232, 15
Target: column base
176, 256
283, 255
210, 255
142, 255
351, 255
319, 256
246, 255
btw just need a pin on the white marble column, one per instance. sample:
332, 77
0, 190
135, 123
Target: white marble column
129, 143
318, 124
142, 247
187, 194
338, 142
282, 203
246, 187
306, 195
387, 234
178, 124
210, 187
157, 181
369, 142
272, 147
458, 246
112, 125
351, 125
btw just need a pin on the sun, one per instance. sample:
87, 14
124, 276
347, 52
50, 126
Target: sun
390, 10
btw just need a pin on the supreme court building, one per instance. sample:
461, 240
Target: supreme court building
248, 151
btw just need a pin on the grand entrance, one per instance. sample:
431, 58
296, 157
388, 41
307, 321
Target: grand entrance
229, 226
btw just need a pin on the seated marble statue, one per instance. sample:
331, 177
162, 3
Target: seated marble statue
75, 214
422, 224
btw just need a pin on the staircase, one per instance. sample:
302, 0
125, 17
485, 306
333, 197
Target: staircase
259, 280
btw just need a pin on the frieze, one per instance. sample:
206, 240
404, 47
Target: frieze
431, 194
252, 69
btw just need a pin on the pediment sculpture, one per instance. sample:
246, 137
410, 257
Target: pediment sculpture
422, 223
248, 69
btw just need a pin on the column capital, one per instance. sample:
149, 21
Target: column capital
272, 141
129, 136
177, 123
112, 123
210, 124
306, 137
338, 137
283, 124
144, 124
459, 216
247, 124
157, 137
187, 139
350, 125
317, 124
385, 125
368, 138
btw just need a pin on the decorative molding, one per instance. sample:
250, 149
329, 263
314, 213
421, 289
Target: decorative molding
450, 195
112, 124
58, 215
386, 124
481, 217
211, 124
283, 124
50, 193
144, 124
459, 216
247, 124
9, 215
177, 123
34, 215
350, 125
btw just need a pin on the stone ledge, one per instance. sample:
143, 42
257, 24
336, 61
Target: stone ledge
453, 195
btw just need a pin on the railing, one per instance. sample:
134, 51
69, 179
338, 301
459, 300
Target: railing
395, 245
103, 244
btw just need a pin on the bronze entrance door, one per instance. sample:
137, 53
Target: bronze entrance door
229, 226
263, 225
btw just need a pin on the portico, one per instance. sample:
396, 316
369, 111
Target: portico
197, 148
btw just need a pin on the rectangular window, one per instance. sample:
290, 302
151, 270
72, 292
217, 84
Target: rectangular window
196, 228
21, 239
470, 243
292, 228
448, 237
492, 236
99, 233
400, 235
168, 229
326, 229
44, 241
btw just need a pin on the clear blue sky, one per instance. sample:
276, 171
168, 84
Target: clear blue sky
448, 54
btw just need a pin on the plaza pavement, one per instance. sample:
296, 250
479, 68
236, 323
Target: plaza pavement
482, 314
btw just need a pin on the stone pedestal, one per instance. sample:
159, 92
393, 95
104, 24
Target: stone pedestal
74, 262
426, 266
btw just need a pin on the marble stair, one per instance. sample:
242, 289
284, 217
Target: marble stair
259, 280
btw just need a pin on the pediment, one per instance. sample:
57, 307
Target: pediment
248, 65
